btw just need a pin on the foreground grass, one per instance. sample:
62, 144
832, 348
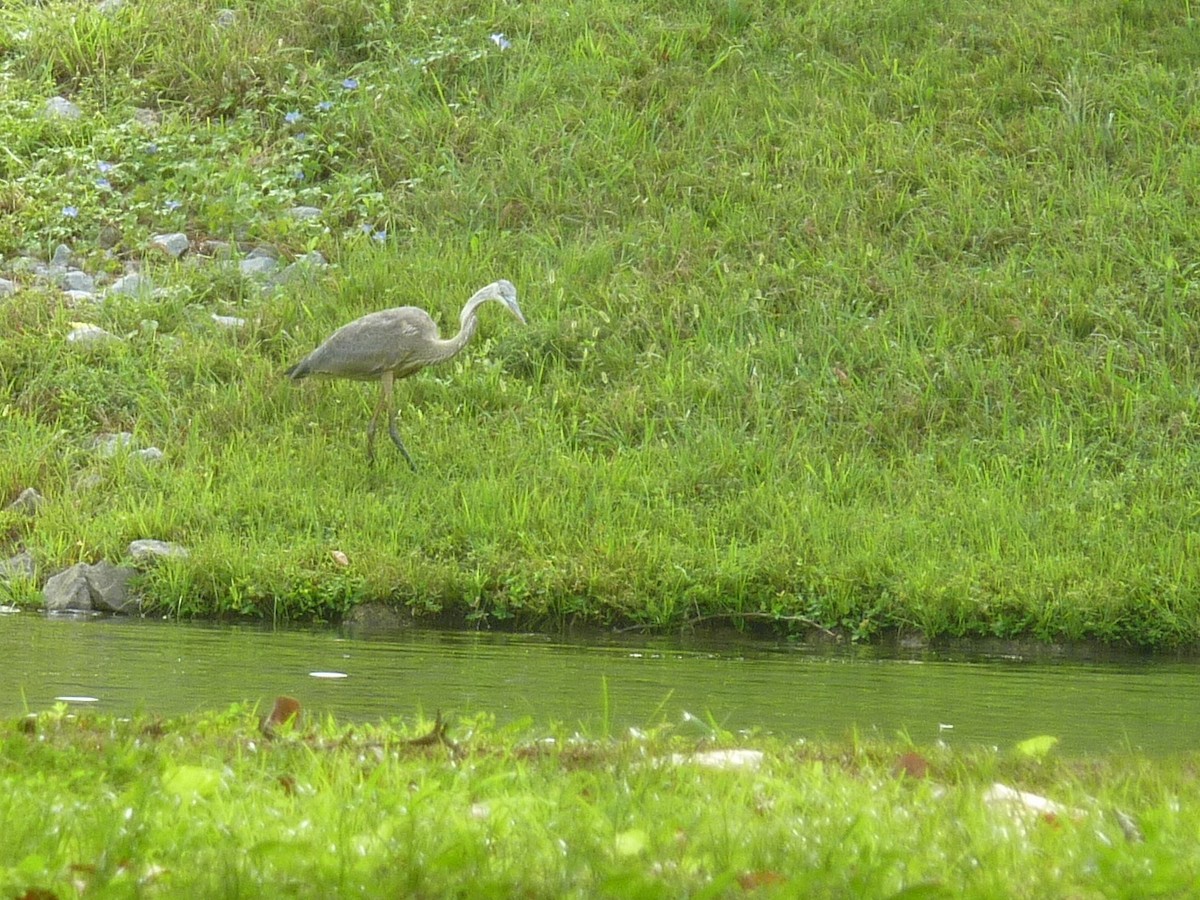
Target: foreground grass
859, 313
209, 806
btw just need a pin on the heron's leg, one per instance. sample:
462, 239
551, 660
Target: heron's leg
392, 430
385, 393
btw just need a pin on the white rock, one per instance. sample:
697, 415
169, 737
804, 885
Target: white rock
76, 280
86, 335
304, 212
174, 245
257, 266
150, 456
149, 550
74, 298
131, 284
721, 759
108, 444
228, 321
61, 108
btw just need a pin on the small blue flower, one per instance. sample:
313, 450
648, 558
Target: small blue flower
501, 41
104, 167
298, 176
350, 84
104, 184
325, 106
366, 227
70, 211
171, 205
379, 236
301, 136
293, 117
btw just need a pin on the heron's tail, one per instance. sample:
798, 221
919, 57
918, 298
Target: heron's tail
298, 371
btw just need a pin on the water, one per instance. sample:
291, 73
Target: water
130, 665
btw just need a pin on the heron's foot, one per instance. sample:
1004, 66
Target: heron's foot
399, 443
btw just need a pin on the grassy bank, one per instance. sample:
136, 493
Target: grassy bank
865, 314
209, 806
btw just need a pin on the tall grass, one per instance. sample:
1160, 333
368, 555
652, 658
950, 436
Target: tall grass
844, 312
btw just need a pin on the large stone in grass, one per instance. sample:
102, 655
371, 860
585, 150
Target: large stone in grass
173, 245
133, 284
19, 566
82, 587
7, 287
77, 280
90, 336
27, 502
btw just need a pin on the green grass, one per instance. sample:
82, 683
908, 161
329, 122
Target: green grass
206, 806
868, 314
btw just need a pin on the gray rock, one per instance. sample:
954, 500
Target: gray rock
258, 266
303, 267
76, 298
263, 251
148, 550
90, 336
225, 18
7, 287
109, 237
61, 108
228, 321
173, 245
303, 213
108, 444
27, 502
218, 249
147, 118
68, 590
62, 257
150, 456
109, 7
76, 280
19, 566
110, 587
133, 284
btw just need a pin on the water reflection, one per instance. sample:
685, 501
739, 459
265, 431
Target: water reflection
964, 699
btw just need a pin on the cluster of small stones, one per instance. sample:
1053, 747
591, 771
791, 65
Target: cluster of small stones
80, 288
100, 587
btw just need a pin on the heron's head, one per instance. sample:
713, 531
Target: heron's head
504, 291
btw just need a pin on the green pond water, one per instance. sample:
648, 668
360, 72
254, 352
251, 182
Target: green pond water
965, 697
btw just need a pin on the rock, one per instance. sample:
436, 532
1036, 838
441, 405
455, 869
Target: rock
228, 321
258, 266
147, 118
149, 550
173, 245
27, 502
110, 587
75, 298
85, 335
19, 566
62, 257
61, 108
374, 616
303, 213
263, 251
109, 237
109, 7
7, 287
217, 249
225, 18
108, 444
76, 280
133, 284
150, 456
68, 590
303, 267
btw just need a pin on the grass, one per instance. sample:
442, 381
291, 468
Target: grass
95, 805
856, 314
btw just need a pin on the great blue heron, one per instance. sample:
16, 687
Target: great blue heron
395, 343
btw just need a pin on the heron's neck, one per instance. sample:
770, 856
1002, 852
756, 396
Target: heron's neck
467, 323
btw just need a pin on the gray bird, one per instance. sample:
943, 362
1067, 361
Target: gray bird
395, 343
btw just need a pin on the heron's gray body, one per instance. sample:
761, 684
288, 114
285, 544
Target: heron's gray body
395, 343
